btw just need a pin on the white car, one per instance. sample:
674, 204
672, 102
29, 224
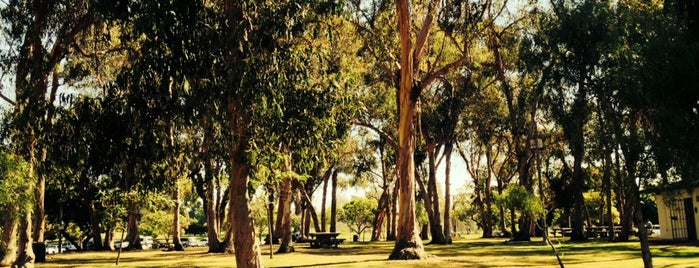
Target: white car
189, 242
67, 246
51, 249
146, 242
120, 244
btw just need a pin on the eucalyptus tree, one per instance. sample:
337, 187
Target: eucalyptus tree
652, 80
419, 66
258, 56
577, 37
41, 36
484, 135
16, 198
440, 114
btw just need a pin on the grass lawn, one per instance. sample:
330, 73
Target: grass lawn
469, 252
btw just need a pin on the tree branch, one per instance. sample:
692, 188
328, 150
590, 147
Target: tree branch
441, 72
388, 138
67, 36
8, 100
424, 33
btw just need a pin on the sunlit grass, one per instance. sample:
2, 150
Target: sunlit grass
469, 252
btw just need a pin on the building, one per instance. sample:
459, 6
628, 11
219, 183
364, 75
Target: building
678, 213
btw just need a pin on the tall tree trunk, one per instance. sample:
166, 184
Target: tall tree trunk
39, 210
279, 222
96, 230
423, 192
312, 216
488, 197
447, 193
212, 228
9, 238
323, 223
481, 207
384, 205
501, 208
176, 229
286, 245
25, 257
577, 148
436, 227
380, 215
333, 203
247, 251
608, 194
642, 232
393, 221
270, 207
408, 243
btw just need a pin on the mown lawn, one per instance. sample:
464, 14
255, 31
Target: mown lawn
471, 252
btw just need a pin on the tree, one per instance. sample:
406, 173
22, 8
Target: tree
358, 214
16, 198
573, 74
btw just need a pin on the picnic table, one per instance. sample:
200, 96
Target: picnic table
592, 231
565, 231
325, 240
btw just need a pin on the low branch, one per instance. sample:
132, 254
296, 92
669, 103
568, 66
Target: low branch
388, 138
443, 71
8, 100
424, 33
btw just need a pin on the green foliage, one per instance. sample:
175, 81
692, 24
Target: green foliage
358, 214
518, 198
16, 187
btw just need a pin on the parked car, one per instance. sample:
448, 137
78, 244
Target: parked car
189, 242
160, 243
656, 229
120, 244
67, 246
51, 249
146, 242
204, 242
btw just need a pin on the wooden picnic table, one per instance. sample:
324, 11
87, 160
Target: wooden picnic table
565, 231
592, 231
325, 239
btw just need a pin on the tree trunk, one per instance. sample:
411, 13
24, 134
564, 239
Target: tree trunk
436, 227
9, 238
380, 215
606, 177
488, 197
333, 203
286, 245
247, 251
310, 210
447, 193
323, 223
212, 228
40, 211
281, 201
577, 147
176, 229
642, 232
408, 243
96, 230
270, 208
25, 257
393, 220
501, 208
